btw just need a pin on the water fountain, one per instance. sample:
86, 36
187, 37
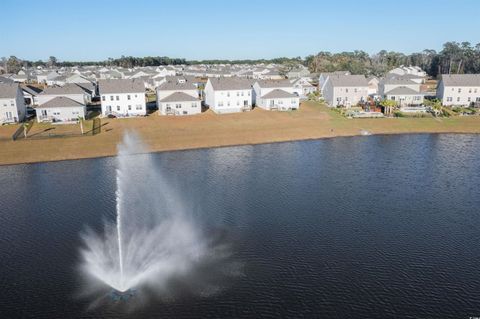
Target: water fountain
153, 239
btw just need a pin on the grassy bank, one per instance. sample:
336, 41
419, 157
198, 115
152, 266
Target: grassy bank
161, 133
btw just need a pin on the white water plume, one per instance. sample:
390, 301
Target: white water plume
153, 238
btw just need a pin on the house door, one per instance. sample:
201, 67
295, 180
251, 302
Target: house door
109, 108
272, 103
44, 112
245, 103
9, 115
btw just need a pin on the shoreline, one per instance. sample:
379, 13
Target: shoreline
208, 130
241, 145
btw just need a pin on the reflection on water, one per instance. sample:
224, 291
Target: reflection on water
366, 227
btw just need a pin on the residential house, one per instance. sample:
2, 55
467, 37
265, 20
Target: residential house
60, 109
322, 79
12, 104
123, 98
80, 92
401, 89
345, 90
228, 95
459, 89
178, 97
275, 95
30, 94
303, 87
412, 70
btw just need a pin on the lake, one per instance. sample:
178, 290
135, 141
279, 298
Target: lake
364, 227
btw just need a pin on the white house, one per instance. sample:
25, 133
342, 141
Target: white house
123, 98
405, 96
60, 109
459, 89
345, 90
275, 95
178, 97
12, 104
412, 70
322, 79
228, 95
303, 87
80, 92
401, 89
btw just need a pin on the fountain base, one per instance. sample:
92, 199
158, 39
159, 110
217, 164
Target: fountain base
116, 295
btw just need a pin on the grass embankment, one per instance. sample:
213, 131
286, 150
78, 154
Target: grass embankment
164, 133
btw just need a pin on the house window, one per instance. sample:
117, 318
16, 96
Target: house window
178, 106
129, 107
294, 101
458, 99
220, 103
185, 113
478, 99
459, 90
238, 103
118, 107
469, 99
475, 91
111, 97
139, 107
449, 99
135, 95
280, 102
118, 98
470, 90
12, 103
248, 93
103, 98
355, 90
228, 94
238, 93
346, 90
228, 103
128, 97
393, 98
194, 104
242, 93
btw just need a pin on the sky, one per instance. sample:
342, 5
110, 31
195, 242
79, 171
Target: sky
229, 29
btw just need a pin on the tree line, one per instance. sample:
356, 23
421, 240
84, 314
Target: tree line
454, 58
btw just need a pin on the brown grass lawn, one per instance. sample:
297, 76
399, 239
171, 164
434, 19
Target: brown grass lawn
163, 133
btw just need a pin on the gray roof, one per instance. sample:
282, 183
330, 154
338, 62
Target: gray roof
179, 97
5, 80
233, 83
348, 80
175, 86
397, 80
69, 88
60, 101
461, 79
278, 94
121, 86
275, 84
402, 90
8, 90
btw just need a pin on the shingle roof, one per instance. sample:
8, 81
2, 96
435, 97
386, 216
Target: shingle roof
69, 88
121, 86
233, 83
60, 101
402, 90
175, 86
278, 94
8, 90
348, 80
179, 97
461, 79
275, 84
